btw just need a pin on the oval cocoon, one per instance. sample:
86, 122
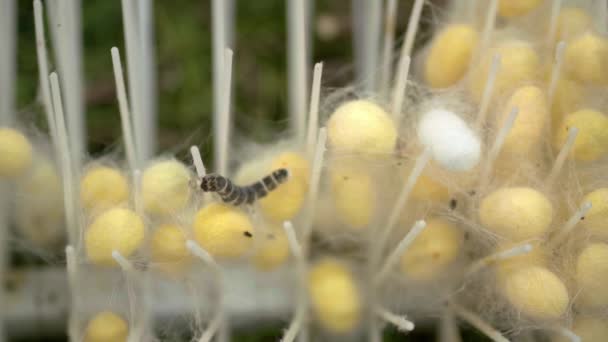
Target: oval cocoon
353, 195
272, 251
586, 59
516, 213
223, 231
450, 55
117, 229
592, 276
361, 126
434, 249
334, 296
165, 187
168, 248
536, 292
15, 153
103, 187
592, 140
453, 144
106, 326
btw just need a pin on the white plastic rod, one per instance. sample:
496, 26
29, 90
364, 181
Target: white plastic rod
8, 67
297, 65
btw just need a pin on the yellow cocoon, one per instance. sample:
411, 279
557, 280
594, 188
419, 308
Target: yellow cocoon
15, 153
537, 292
536, 257
569, 97
222, 230
450, 55
596, 219
39, 206
516, 213
592, 140
106, 327
571, 22
168, 248
116, 229
516, 8
527, 132
592, 275
589, 329
165, 187
586, 59
285, 202
361, 126
272, 251
103, 187
519, 64
353, 195
334, 296
428, 189
435, 248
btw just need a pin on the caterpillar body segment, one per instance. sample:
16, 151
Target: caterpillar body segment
237, 195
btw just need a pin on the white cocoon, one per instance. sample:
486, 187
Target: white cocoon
453, 144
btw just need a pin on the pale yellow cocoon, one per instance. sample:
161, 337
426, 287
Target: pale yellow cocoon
223, 230
536, 257
450, 55
103, 187
116, 229
15, 153
353, 195
106, 326
592, 276
596, 219
165, 187
592, 140
273, 250
168, 248
285, 202
526, 135
39, 206
516, 213
536, 292
586, 59
334, 296
428, 189
519, 65
433, 250
569, 96
516, 8
589, 329
361, 126
571, 22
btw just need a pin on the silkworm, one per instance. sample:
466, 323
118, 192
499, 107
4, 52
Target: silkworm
237, 195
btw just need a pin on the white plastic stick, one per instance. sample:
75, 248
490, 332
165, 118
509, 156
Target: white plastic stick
8, 67
223, 135
295, 247
400, 322
296, 325
498, 256
202, 254
137, 198
568, 334
297, 55
313, 112
313, 191
133, 45
488, 90
556, 5
72, 270
404, 195
390, 19
496, 147
412, 29
478, 323
43, 72
488, 27
448, 327
565, 230
555, 72
407, 240
601, 15
198, 162
66, 163
561, 156
123, 105
66, 16
400, 86
220, 41
147, 125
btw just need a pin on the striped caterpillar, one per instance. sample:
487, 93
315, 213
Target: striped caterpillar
237, 195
